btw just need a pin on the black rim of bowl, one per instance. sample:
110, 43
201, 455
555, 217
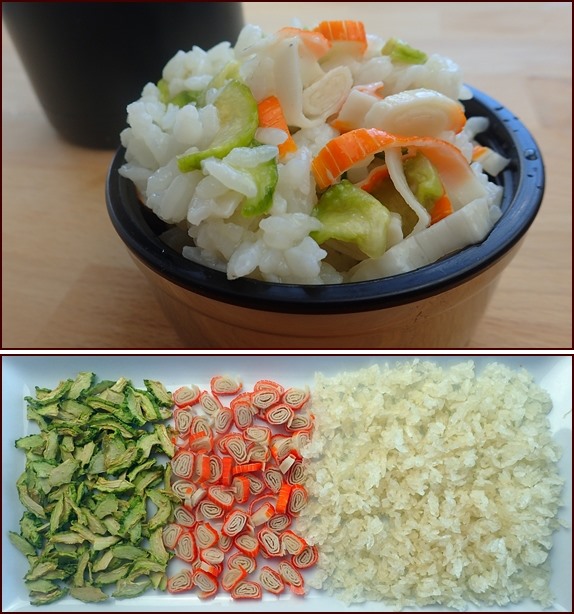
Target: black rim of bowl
523, 182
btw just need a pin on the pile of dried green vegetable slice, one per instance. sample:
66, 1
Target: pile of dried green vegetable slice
95, 493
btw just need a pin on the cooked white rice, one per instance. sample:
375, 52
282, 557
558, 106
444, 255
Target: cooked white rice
205, 203
432, 485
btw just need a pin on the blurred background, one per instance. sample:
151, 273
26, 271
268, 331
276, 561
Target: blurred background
68, 281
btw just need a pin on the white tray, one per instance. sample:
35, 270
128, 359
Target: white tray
21, 373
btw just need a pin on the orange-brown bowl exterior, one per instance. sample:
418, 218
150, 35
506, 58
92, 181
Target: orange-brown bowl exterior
445, 320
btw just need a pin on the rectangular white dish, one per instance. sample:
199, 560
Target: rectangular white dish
22, 373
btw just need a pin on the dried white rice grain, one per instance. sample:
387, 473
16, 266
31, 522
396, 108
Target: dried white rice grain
432, 485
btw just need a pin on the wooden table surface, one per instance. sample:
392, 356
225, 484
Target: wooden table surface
68, 281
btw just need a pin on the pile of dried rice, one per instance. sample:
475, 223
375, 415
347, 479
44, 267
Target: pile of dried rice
432, 485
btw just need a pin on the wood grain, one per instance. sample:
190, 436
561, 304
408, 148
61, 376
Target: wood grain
68, 281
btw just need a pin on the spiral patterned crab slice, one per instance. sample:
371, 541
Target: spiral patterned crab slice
213, 555
278, 414
209, 403
222, 420
182, 419
185, 548
306, 558
270, 543
183, 516
183, 488
224, 384
292, 543
182, 464
232, 577
292, 577
271, 581
180, 582
279, 522
247, 544
246, 590
235, 522
206, 584
206, 536
170, 534
240, 560
296, 397
186, 396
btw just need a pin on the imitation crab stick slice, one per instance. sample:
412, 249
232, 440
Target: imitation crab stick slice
491, 161
259, 453
182, 464
344, 31
270, 542
206, 536
206, 584
262, 514
278, 414
271, 116
242, 416
344, 151
246, 468
212, 555
273, 479
283, 497
296, 474
300, 422
296, 397
265, 384
209, 403
222, 497
297, 499
186, 396
292, 543
292, 578
358, 103
279, 522
183, 517
234, 523
246, 590
241, 489
224, 384
185, 548
182, 418
181, 581
418, 112
183, 488
208, 510
271, 581
239, 560
222, 420
248, 544
258, 434
315, 42
306, 558
171, 534
232, 577
441, 209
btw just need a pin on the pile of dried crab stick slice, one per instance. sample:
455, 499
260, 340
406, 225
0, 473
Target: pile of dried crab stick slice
239, 476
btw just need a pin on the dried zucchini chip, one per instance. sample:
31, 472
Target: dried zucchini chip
89, 476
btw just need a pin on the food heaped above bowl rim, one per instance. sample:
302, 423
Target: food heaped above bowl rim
523, 181
373, 183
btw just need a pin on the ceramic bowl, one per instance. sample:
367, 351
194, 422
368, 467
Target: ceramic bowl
436, 306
